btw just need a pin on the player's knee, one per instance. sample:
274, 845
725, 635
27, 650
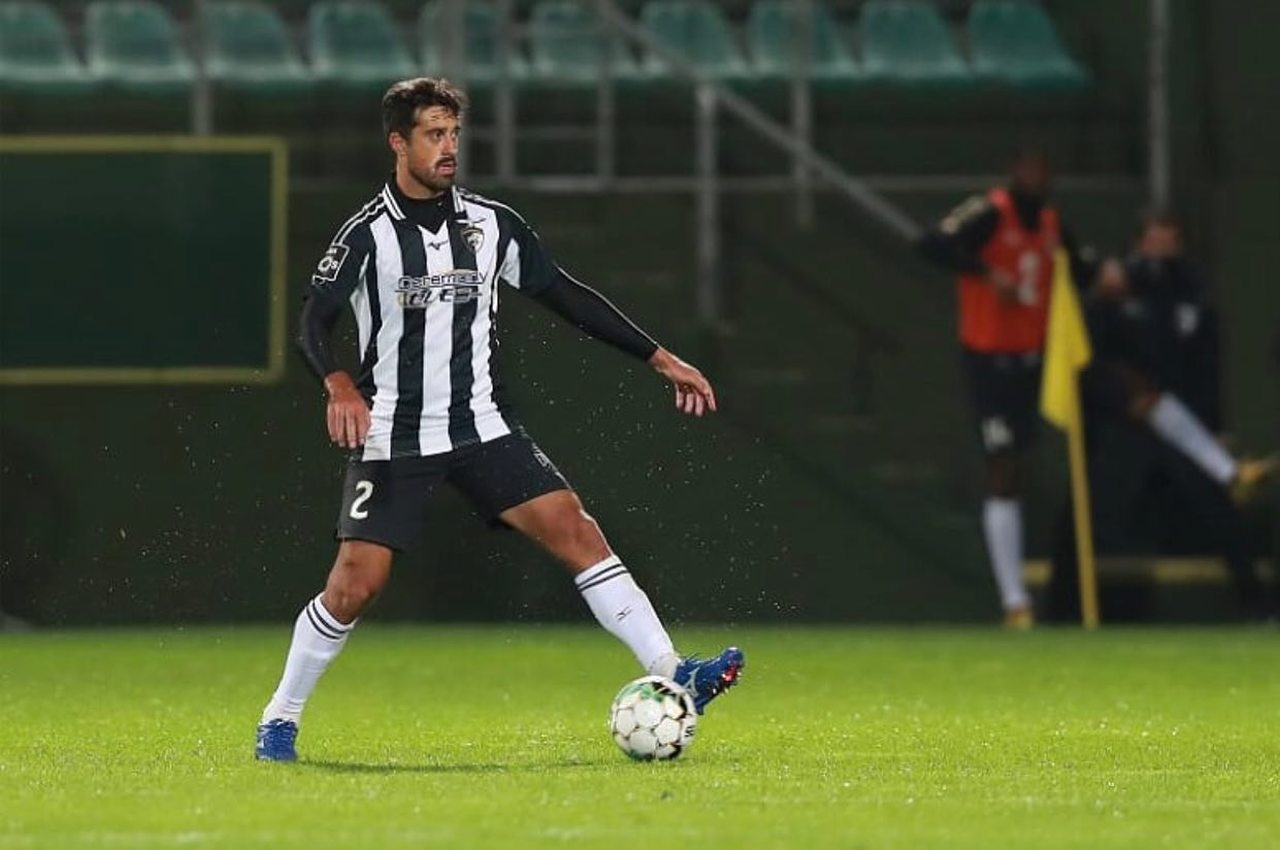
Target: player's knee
587, 539
1141, 404
577, 538
357, 577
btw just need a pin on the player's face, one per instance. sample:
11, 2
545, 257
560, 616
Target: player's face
429, 156
1031, 175
1160, 241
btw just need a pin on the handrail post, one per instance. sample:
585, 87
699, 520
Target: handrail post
455, 65
802, 107
202, 91
606, 107
708, 214
504, 97
1158, 156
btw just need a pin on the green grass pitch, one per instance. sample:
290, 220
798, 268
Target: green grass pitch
495, 738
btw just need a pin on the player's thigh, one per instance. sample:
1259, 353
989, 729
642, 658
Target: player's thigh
560, 523
385, 501
505, 473
1005, 409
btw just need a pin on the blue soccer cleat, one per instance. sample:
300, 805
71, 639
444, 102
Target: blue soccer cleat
275, 741
707, 679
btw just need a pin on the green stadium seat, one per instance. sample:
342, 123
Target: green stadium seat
566, 42
906, 41
698, 31
770, 35
248, 47
483, 30
35, 52
134, 44
1015, 42
354, 43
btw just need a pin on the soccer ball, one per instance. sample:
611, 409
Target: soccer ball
652, 718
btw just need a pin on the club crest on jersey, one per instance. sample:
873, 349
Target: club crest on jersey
474, 236
458, 286
330, 264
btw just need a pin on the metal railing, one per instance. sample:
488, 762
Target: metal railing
711, 99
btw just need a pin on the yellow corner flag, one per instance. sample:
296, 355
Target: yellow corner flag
1067, 351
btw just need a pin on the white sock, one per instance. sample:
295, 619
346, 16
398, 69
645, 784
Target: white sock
318, 637
1002, 522
626, 613
1179, 427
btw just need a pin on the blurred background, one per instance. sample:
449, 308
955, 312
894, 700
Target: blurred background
744, 178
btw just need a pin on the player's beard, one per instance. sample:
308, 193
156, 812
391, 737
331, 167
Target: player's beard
432, 180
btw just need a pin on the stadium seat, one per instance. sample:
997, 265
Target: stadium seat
248, 48
698, 31
483, 36
134, 44
906, 41
770, 28
354, 43
35, 52
1016, 43
565, 41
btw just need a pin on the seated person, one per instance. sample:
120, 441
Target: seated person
1151, 402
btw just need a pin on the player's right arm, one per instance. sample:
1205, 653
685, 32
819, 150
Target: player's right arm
337, 275
956, 242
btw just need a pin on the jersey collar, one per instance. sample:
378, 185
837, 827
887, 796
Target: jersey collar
393, 206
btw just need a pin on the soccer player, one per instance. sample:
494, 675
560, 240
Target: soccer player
419, 265
1001, 244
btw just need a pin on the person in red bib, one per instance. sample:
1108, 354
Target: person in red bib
1001, 244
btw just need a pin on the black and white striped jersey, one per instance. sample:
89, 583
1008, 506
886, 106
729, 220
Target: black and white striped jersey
426, 305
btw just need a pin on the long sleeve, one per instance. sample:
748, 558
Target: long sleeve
336, 276
595, 315
530, 269
956, 242
315, 327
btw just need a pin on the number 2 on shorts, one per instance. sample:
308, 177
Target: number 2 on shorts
364, 489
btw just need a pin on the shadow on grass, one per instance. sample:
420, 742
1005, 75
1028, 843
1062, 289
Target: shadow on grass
393, 768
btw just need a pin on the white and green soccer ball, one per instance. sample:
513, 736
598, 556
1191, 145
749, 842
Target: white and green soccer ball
653, 718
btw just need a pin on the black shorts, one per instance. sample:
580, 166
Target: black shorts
1006, 398
385, 501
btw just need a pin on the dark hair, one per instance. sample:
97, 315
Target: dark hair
1025, 150
402, 101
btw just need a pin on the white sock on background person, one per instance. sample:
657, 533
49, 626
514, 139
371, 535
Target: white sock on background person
1002, 525
318, 637
1179, 427
626, 613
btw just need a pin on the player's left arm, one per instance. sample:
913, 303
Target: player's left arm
537, 276
595, 315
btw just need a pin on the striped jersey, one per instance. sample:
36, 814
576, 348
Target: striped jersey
426, 306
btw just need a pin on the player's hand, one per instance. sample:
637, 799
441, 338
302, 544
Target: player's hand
1005, 285
1112, 283
693, 392
347, 413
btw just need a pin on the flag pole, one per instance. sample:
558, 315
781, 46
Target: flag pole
1067, 351
1086, 566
